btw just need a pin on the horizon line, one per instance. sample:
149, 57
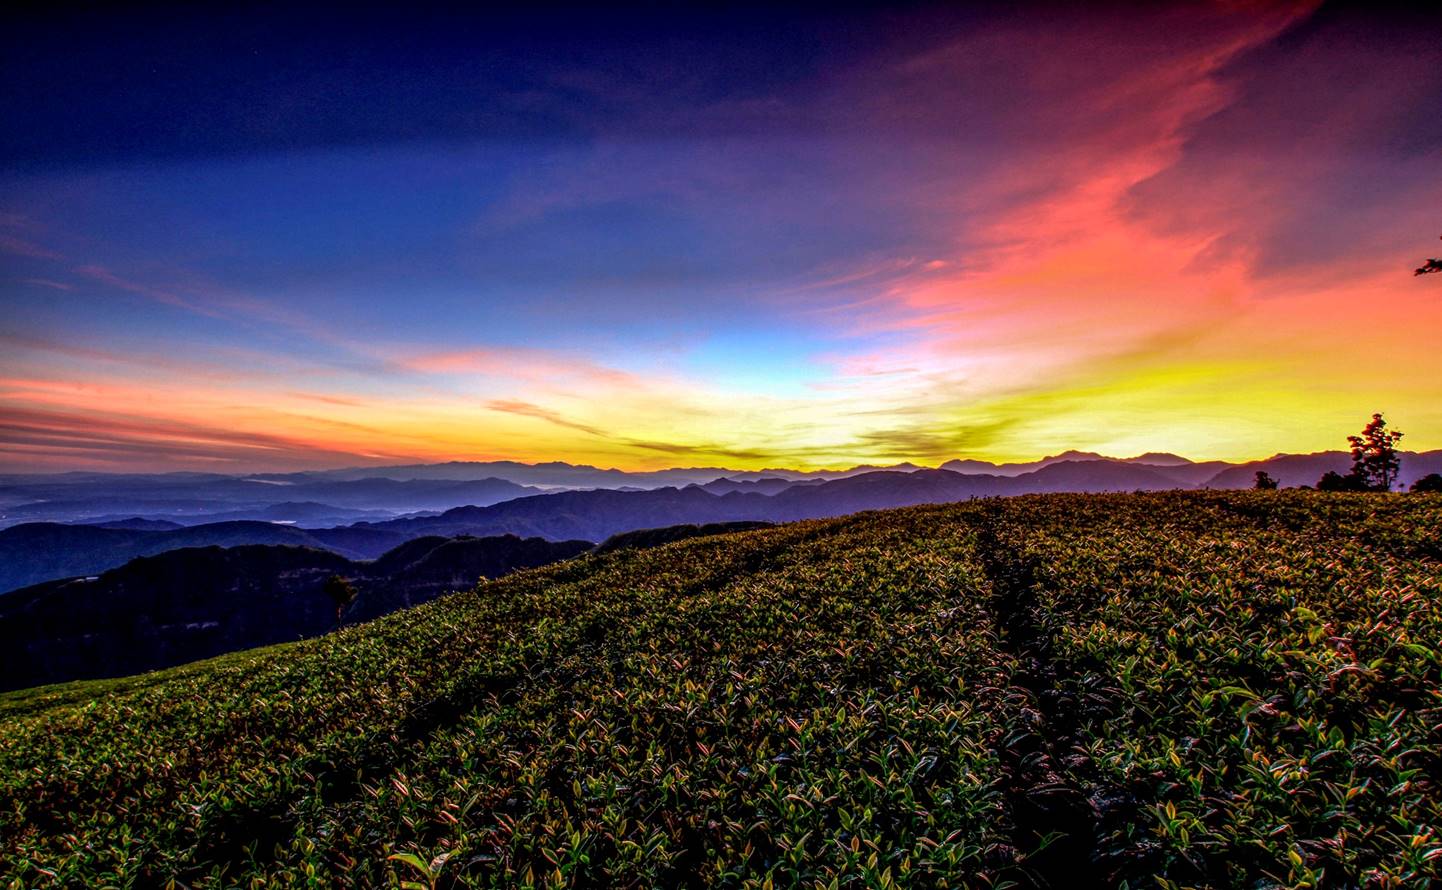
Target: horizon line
1061, 456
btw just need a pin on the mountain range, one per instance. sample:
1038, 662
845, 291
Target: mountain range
42, 551
34, 552
193, 499
327, 498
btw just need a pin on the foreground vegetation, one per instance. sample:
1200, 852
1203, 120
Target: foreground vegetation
1233, 689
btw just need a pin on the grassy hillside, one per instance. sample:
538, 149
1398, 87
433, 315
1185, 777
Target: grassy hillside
199, 602
1230, 689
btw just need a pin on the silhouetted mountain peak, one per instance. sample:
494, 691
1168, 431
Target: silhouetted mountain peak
1072, 455
1159, 459
138, 524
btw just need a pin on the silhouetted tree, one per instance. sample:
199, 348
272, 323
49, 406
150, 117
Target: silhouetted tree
1334, 481
1374, 455
341, 592
1432, 265
1265, 481
1429, 484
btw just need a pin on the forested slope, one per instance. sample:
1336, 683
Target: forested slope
1232, 689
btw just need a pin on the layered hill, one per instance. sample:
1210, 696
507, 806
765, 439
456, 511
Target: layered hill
36, 552
336, 497
194, 499
195, 603
598, 514
42, 551
1194, 689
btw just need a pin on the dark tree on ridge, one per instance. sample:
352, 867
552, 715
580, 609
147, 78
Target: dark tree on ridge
1429, 484
1334, 481
1432, 265
1374, 455
341, 592
1265, 481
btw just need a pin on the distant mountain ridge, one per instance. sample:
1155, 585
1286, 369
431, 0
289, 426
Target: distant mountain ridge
34, 552
207, 499
598, 514
559, 474
1193, 472
42, 551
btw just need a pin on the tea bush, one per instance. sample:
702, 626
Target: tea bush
1227, 689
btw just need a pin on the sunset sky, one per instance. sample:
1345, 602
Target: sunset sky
744, 237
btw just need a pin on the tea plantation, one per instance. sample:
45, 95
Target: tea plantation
1203, 689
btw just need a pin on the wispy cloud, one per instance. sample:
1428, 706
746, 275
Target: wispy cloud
22, 247
526, 409
47, 283
517, 363
102, 275
60, 428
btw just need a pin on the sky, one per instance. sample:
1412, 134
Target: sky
741, 236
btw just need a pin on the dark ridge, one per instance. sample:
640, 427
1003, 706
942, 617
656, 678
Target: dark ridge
655, 537
193, 603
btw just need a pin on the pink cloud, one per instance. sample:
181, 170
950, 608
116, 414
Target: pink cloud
102, 275
22, 247
47, 283
65, 424
519, 363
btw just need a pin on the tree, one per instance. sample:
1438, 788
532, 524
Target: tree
341, 592
1265, 481
1374, 455
1427, 268
1429, 484
1334, 481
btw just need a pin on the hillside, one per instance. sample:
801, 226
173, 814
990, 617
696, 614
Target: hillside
655, 537
1234, 689
44, 551
198, 602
